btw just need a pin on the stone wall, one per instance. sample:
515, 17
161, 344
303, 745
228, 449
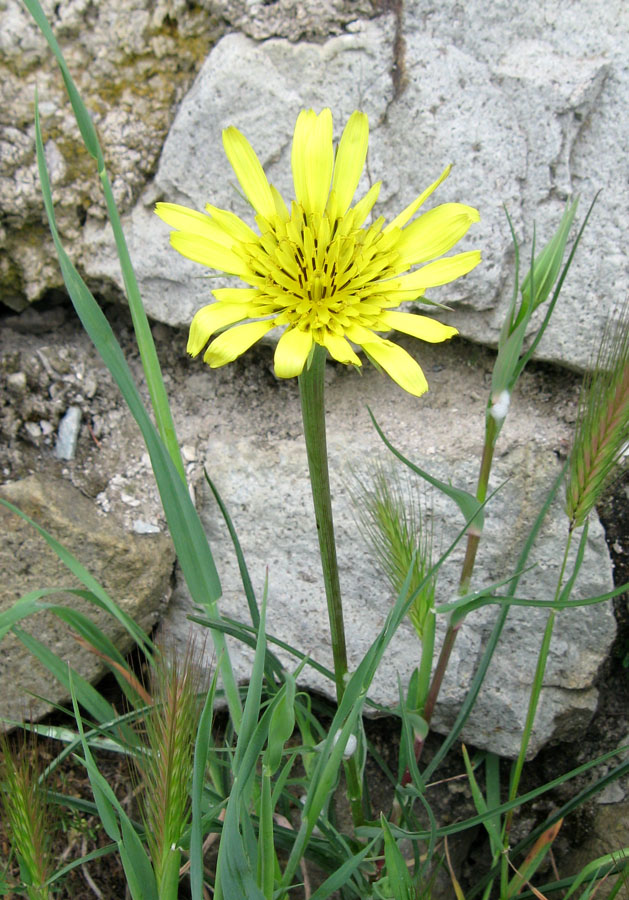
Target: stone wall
530, 106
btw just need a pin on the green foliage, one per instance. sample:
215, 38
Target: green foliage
394, 524
165, 762
599, 452
23, 803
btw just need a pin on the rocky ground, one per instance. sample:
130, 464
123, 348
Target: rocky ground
47, 366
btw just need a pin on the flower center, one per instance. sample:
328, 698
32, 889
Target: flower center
315, 273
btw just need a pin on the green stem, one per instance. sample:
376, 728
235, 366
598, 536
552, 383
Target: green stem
473, 540
440, 671
146, 345
536, 690
312, 393
425, 665
312, 389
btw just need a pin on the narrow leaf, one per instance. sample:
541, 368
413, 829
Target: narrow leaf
468, 504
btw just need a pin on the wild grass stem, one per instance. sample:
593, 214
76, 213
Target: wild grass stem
536, 689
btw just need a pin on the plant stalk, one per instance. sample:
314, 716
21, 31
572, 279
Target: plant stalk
536, 690
312, 393
312, 390
473, 540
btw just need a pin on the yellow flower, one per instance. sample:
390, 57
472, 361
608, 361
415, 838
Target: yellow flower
314, 269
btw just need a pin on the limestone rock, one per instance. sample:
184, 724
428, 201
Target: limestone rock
295, 19
527, 104
134, 570
255, 455
131, 62
518, 112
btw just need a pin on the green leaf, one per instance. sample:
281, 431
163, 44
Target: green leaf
350, 708
534, 859
282, 724
494, 637
535, 290
266, 843
507, 361
468, 504
396, 868
138, 871
141, 326
191, 545
600, 868
481, 805
341, 878
87, 695
545, 268
235, 872
201, 747
97, 592
83, 118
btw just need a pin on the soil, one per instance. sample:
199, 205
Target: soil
47, 364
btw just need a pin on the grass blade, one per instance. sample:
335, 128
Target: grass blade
144, 337
191, 545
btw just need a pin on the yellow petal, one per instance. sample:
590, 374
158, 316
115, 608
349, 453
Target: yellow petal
360, 335
312, 159
182, 217
237, 295
340, 349
395, 297
280, 207
292, 352
298, 155
436, 232
232, 224
397, 363
207, 252
364, 206
248, 171
350, 160
209, 319
229, 345
441, 271
407, 214
422, 327
192, 222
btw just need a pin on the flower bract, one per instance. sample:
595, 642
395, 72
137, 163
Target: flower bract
316, 269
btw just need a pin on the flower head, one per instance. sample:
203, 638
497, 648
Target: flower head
316, 269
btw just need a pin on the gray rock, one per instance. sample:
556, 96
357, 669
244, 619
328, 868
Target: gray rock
134, 570
528, 113
519, 114
255, 455
131, 62
68, 433
530, 107
295, 19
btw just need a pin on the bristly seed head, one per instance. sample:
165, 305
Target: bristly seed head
599, 453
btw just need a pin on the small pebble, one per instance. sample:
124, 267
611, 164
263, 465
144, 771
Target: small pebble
142, 527
33, 430
16, 383
68, 434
